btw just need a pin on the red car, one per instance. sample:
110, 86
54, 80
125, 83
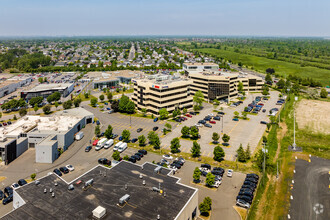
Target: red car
4, 124
261, 104
95, 142
212, 122
188, 115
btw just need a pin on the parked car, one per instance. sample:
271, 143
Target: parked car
137, 157
264, 110
221, 113
58, 172
143, 152
121, 138
201, 121
134, 140
251, 179
244, 198
242, 203
212, 122
198, 125
70, 167
229, 173
250, 184
98, 122
252, 175
140, 154
206, 165
189, 115
167, 157
164, 161
155, 128
263, 122
9, 122
181, 159
64, 170
156, 119
235, 119
139, 130
104, 161
21, 182
2, 195
208, 125
114, 136
14, 185
88, 148
216, 118
192, 113
95, 142
8, 200
132, 159
248, 187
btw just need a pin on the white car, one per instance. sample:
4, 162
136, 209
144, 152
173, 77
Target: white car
180, 159
164, 161
211, 114
167, 157
216, 184
70, 167
198, 125
242, 203
14, 186
230, 173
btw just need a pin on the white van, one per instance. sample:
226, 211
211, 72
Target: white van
101, 144
122, 147
108, 144
117, 146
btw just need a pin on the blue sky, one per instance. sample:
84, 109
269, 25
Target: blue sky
165, 17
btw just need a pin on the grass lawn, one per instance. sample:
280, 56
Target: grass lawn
260, 64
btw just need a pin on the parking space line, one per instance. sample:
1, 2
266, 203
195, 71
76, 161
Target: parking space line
208, 154
233, 127
183, 150
204, 153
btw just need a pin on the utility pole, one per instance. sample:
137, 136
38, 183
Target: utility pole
264, 165
222, 125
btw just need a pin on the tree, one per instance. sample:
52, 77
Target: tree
240, 86
216, 102
268, 126
210, 179
142, 140
22, 112
236, 113
194, 132
185, 131
56, 105
244, 115
101, 97
41, 80
264, 139
126, 135
163, 113
195, 150
116, 155
157, 142
323, 93
86, 94
108, 132
15, 118
144, 111
268, 78
151, 137
280, 84
198, 98
130, 107
126, 157
175, 145
46, 109
168, 126
67, 104
265, 90
93, 101
215, 137
0, 114
35, 108
241, 154
248, 153
123, 103
208, 201
197, 175
184, 111
270, 70
273, 119
109, 96
77, 102
225, 138
197, 108
260, 159
115, 105
97, 130
218, 153
36, 100
33, 176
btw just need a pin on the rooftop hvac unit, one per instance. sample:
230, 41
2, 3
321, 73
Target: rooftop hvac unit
124, 199
99, 212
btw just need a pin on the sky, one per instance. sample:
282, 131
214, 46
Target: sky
165, 17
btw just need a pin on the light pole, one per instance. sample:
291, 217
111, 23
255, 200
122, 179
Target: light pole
222, 124
264, 150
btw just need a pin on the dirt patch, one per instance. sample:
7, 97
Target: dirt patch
313, 115
241, 211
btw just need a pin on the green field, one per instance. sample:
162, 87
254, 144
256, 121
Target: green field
260, 64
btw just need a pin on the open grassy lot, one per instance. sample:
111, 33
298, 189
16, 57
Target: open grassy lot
281, 67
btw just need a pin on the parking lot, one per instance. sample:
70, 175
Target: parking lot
241, 132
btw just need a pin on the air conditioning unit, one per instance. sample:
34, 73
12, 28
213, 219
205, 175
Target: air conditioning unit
99, 212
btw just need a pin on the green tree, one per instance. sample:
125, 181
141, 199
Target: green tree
236, 113
126, 157
35, 108
268, 78
116, 155
33, 176
93, 101
142, 140
109, 96
197, 175
0, 114
195, 150
225, 138
218, 153
280, 84
194, 132
56, 105
97, 130
163, 113
151, 137
208, 201
215, 137
46, 109
14, 118
244, 115
124, 100
248, 153
197, 108
184, 111
77, 102
168, 126
323, 93
108, 132
130, 108
216, 102
210, 179
198, 98
36, 100
101, 97
268, 126
174, 114
185, 131
67, 104
126, 135
204, 209
175, 145
241, 154
264, 139
41, 80
22, 112
144, 111
86, 94
240, 86
157, 142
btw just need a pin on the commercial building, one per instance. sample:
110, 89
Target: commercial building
162, 91
111, 79
221, 84
125, 191
199, 66
45, 90
10, 85
45, 134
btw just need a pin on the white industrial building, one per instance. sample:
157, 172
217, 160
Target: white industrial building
11, 84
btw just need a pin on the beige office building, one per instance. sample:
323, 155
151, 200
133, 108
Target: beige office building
162, 91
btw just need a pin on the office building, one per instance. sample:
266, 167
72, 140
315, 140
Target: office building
199, 66
125, 191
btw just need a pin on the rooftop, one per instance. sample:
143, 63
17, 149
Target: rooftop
108, 188
201, 64
75, 112
112, 75
44, 87
163, 79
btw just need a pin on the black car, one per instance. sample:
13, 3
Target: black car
2, 195
8, 199
207, 119
104, 161
64, 170
88, 148
221, 113
204, 173
245, 198
139, 130
248, 187
139, 154
178, 166
132, 159
246, 193
206, 165
252, 175
143, 152
58, 172
208, 125
21, 182
251, 180
101, 134
155, 128
178, 120
246, 190
9, 122
263, 122
178, 162
137, 157
216, 118
192, 113
134, 140
217, 173
250, 183
201, 122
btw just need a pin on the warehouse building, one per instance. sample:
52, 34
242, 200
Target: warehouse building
125, 191
10, 85
45, 90
162, 91
45, 134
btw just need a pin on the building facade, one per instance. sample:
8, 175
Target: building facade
162, 91
45, 90
199, 66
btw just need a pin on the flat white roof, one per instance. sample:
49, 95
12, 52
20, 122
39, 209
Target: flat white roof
44, 87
